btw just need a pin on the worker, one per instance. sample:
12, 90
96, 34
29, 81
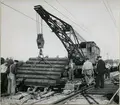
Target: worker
71, 70
11, 78
100, 70
65, 72
107, 73
3, 69
87, 70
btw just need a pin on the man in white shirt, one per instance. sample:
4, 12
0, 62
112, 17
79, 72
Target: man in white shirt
3, 68
87, 70
71, 70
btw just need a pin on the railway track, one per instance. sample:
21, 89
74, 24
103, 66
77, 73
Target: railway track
83, 92
72, 95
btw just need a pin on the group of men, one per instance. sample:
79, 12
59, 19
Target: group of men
89, 72
8, 72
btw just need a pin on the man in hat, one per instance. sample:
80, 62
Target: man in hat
100, 70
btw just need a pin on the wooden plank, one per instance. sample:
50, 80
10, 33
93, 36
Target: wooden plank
42, 69
38, 72
37, 76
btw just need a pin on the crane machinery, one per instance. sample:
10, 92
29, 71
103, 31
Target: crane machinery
48, 71
64, 32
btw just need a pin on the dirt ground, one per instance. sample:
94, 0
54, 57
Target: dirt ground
14, 100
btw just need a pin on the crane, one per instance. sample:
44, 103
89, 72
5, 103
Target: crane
64, 32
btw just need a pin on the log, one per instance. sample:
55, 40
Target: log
38, 72
43, 65
38, 76
49, 62
51, 59
41, 69
38, 82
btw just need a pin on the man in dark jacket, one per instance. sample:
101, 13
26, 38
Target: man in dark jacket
100, 70
3, 69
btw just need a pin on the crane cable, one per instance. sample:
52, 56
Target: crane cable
20, 12
39, 25
84, 29
62, 13
68, 18
31, 19
26, 15
109, 12
37, 17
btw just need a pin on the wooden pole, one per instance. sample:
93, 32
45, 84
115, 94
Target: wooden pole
111, 100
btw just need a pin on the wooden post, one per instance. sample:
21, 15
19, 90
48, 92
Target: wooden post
111, 100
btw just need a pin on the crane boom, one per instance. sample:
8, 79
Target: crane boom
64, 31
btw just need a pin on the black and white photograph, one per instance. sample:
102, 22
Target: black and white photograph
59, 52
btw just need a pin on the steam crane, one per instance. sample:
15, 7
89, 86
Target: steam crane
64, 32
43, 71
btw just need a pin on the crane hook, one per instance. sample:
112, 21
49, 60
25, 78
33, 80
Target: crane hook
40, 39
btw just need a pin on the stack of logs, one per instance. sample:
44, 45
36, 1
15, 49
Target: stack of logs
41, 72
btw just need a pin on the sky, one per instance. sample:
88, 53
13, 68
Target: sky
18, 32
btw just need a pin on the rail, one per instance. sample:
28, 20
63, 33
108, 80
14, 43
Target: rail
63, 100
86, 96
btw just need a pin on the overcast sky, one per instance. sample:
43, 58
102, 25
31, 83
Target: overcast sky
18, 33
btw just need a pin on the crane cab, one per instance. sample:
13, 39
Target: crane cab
90, 50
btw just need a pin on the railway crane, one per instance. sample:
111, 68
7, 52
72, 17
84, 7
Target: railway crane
68, 36
48, 71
